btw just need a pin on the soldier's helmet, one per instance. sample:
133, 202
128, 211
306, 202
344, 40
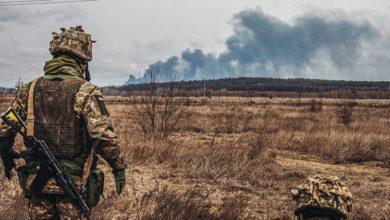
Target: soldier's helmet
72, 41
324, 198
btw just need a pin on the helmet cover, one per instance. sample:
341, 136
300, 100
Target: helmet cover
74, 41
324, 193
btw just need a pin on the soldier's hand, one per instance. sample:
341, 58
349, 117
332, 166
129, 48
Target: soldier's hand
120, 180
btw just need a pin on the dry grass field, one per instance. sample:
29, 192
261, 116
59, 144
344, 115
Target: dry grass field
235, 158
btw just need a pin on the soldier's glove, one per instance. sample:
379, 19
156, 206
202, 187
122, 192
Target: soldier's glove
120, 180
7, 157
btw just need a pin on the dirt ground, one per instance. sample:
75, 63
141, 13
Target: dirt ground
234, 158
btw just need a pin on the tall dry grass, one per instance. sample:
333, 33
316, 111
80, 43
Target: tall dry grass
251, 161
193, 204
224, 158
229, 139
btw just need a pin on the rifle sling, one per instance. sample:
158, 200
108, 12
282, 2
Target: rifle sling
30, 109
40, 180
87, 167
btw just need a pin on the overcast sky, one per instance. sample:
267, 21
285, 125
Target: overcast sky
132, 34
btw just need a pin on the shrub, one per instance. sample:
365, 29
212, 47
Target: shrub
159, 111
345, 112
256, 148
315, 105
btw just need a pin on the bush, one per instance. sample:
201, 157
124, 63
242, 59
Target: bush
159, 111
315, 105
345, 112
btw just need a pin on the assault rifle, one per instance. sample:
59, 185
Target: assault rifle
48, 161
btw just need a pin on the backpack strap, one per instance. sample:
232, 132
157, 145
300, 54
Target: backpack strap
30, 109
87, 167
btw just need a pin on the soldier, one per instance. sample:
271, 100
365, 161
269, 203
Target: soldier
322, 199
68, 112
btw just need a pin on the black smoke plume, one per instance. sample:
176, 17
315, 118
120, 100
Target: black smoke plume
263, 45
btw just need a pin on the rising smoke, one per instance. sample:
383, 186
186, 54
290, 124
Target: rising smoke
263, 45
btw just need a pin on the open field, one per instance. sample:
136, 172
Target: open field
235, 158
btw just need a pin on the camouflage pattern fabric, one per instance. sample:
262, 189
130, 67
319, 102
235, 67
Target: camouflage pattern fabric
73, 40
100, 130
51, 187
327, 193
52, 207
99, 125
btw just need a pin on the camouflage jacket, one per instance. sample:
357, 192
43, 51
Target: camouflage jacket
97, 123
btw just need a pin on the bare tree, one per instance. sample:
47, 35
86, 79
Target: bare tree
159, 111
18, 84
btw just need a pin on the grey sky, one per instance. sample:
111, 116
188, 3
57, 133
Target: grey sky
132, 34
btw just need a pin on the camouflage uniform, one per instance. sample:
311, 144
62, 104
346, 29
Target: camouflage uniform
91, 115
322, 197
52, 207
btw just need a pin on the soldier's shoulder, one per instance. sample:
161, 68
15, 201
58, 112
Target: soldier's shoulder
24, 87
87, 87
22, 92
86, 90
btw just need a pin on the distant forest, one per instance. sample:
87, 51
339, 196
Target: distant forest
272, 84
269, 87
264, 87
7, 90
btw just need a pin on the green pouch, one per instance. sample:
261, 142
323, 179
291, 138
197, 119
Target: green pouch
73, 167
23, 176
95, 187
